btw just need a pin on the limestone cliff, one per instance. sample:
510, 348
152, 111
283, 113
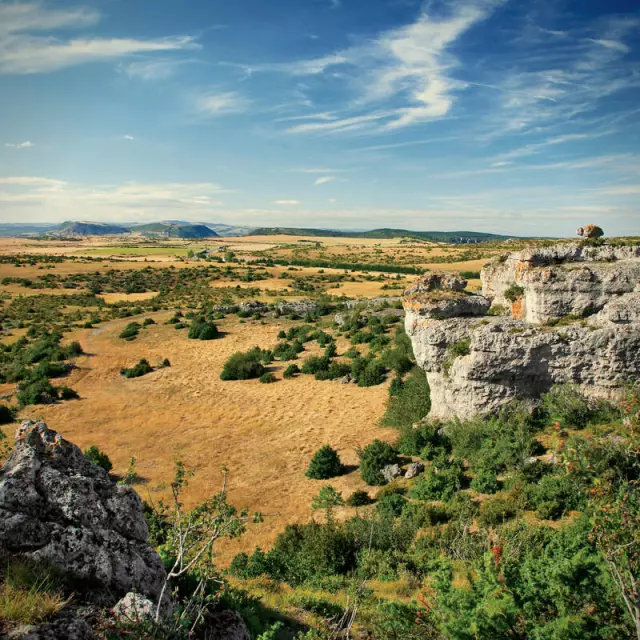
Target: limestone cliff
574, 318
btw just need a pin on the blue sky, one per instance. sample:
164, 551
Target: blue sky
499, 116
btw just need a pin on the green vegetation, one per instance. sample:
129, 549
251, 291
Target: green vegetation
373, 458
131, 331
268, 378
141, 369
513, 292
99, 457
485, 571
202, 329
325, 464
244, 366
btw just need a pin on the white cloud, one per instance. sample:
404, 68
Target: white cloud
152, 69
220, 104
324, 180
411, 65
128, 137
25, 49
288, 203
27, 144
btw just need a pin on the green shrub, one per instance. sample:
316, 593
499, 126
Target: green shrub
290, 371
372, 460
325, 464
513, 292
243, 366
37, 392
555, 495
359, 498
200, 329
99, 458
373, 374
148, 321
497, 510
485, 481
314, 364
131, 331
497, 310
391, 505
141, 369
567, 405
440, 482
319, 606
410, 404
268, 378
166, 363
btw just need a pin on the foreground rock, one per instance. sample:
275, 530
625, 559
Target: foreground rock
56, 506
574, 318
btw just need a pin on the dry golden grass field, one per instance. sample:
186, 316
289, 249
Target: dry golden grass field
264, 434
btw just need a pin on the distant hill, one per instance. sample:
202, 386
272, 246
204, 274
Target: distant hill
458, 237
175, 230
10, 230
228, 230
88, 229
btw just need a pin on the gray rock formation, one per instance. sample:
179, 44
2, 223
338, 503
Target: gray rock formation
226, 625
66, 627
575, 319
56, 506
134, 608
413, 470
391, 472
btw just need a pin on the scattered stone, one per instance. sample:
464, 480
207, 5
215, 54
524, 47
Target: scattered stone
413, 470
346, 379
391, 472
65, 627
590, 231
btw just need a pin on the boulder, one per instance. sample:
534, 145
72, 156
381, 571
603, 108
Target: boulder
437, 282
58, 507
66, 626
413, 470
226, 625
391, 472
134, 608
439, 306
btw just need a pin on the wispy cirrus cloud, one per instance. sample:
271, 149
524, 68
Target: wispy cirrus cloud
27, 45
287, 203
405, 76
324, 180
214, 104
27, 144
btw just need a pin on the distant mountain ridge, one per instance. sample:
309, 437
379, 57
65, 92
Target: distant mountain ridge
89, 229
457, 237
175, 230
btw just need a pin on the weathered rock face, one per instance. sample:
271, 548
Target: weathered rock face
562, 280
56, 506
474, 365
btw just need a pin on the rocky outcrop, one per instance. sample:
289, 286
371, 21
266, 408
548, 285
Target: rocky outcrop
575, 318
58, 507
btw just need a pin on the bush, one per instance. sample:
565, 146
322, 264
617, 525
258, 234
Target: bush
513, 292
460, 348
497, 510
267, 378
99, 458
202, 330
141, 369
410, 404
131, 331
441, 482
359, 498
166, 363
325, 464
567, 405
372, 460
148, 321
314, 364
555, 495
373, 374
38, 392
391, 505
485, 481
243, 366
290, 371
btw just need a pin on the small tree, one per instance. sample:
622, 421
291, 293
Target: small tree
99, 458
325, 464
328, 499
373, 458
